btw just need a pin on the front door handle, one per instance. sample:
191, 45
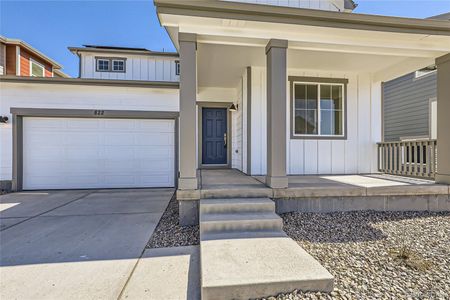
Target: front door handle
225, 139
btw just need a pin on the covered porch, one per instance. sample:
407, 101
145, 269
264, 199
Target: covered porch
306, 88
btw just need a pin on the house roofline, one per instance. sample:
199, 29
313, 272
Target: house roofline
301, 16
61, 73
115, 50
31, 49
445, 17
98, 82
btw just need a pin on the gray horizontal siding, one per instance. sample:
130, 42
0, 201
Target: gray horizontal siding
406, 106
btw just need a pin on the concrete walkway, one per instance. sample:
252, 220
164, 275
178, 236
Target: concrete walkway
75, 244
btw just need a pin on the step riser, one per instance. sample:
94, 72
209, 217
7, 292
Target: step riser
242, 225
236, 208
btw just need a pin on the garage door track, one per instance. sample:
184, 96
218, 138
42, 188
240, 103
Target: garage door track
74, 244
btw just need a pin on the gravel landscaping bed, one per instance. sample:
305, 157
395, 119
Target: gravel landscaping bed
169, 233
376, 255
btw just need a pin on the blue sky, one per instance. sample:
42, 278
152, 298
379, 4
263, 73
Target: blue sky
52, 26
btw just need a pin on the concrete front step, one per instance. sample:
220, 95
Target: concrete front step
259, 221
245, 253
237, 205
254, 267
225, 235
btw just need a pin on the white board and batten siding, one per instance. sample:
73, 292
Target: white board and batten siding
66, 96
137, 67
331, 5
357, 154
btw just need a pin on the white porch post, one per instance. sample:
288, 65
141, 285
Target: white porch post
276, 54
443, 120
188, 97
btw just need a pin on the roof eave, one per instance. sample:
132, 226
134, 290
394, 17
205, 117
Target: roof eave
31, 49
289, 15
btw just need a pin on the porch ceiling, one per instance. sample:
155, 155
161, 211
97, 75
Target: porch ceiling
223, 65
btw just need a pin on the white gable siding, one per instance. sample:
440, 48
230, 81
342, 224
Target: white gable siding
331, 5
138, 67
356, 154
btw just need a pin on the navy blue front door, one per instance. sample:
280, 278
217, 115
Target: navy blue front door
214, 135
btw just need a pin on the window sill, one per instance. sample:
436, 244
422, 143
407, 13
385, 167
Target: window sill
318, 137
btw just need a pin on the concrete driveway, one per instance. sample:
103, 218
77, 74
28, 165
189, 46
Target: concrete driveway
74, 244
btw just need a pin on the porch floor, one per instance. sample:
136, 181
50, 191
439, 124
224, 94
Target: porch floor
228, 183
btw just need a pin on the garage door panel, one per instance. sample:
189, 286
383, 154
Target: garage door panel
86, 124
164, 139
120, 139
159, 165
81, 138
119, 153
156, 126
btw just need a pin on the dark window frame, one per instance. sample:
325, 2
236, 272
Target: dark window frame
318, 80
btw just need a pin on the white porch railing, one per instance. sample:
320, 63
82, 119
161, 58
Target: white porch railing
416, 158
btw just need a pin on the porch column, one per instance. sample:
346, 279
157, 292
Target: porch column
188, 96
276, 54
443, 120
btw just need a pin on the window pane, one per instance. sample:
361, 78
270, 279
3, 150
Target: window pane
338, 130
325, 97
37, 70
311, 92
337, 96
305, 121
326, 122
300, 96
300, 122
311, 122
331, 122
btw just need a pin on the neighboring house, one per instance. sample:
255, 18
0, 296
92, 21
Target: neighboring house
268, 90
123, 63
17, 58
409, 104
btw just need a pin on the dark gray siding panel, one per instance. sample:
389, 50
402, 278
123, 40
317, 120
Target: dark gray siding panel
406, 106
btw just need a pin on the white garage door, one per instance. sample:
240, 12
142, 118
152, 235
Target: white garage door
66, 153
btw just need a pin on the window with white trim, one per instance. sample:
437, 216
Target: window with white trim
103, 65
318, 109
36, 69
118, 65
